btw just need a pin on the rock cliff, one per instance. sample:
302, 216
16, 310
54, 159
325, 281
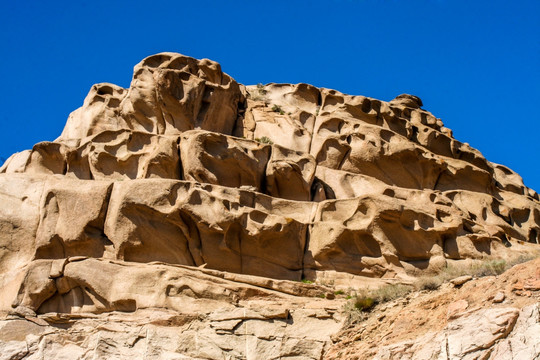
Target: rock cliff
190, 216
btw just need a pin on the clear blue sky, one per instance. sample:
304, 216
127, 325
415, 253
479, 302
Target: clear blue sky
475, 64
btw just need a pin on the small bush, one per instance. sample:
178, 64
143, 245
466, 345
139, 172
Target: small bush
277, 108
390, 292
306, 281
353, 315
428, 283
339, 292
264, 140
364, 303
258, 94
489, 268
260, 88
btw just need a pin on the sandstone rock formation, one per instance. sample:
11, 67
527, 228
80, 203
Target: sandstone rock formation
191, 202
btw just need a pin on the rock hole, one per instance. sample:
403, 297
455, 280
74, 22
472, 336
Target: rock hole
467, 226
505, 240
533, 236
125, 305
183, 75
366, 105
414, 134
389, 192
114, 102
386, 135
241, 106
443, 216
105, 90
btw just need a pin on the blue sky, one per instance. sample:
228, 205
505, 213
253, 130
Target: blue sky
475, 64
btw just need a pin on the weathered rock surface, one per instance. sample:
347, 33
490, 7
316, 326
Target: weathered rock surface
157, 311
170, 93
190, 198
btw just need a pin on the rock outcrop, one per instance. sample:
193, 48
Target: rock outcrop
190, 202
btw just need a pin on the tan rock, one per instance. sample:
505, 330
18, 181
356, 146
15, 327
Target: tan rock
523, 342
16, 163
217, 159
72, 219
19, 219
481, 331
169, 218
407, 100
44, 158
460, 280
377, 235
283, 113
468, 337
499, 297
125, 154
289, 174
456, 309
122, 154
170, 93
225, 228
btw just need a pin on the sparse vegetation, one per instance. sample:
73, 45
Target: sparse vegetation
390, 292
264, 140
339, 292
491, 267
259, 93
428, 283
325, 282
277, 108
365, 300
306, 281
261, 89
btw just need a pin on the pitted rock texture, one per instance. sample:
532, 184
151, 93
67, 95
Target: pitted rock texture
187, 172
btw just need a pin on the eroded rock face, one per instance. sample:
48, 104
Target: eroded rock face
170, 93
214, 158
188, 193
175, 312
226, 229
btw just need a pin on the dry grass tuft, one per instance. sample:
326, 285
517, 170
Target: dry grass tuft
366, 300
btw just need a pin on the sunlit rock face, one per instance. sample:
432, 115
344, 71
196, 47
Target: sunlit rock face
191, 194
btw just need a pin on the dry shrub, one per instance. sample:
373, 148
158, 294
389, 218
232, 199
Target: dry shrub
489, 268
390, 292
428, 283
365, 300
364, 303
